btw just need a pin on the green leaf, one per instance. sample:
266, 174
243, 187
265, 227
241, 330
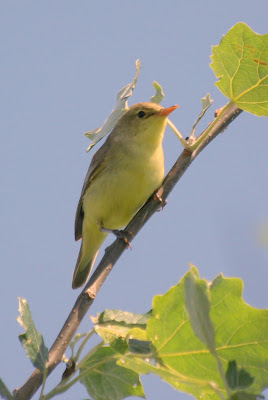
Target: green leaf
183, 360
232, 375
241, 63
31, 340
111, 324
105, 380
172, 377
241, 395
137, 334
139, 346
237, 378
4, 392
197, 306
124, 317
119, 109
119, 345
244, 379
242, 331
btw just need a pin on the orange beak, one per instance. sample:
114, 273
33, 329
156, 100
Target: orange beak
166, 111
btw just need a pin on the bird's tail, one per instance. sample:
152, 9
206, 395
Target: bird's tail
81, 272
88, 252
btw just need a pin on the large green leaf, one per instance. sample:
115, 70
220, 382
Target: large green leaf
184, 361
105, 380
241, 63
32, 340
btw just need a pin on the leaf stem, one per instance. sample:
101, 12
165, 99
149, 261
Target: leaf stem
194, 143
86, 338
63, 386
43, 383
207, 131
184, 143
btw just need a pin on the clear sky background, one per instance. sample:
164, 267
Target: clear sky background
62, 64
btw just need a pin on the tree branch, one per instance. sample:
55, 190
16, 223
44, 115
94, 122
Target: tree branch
113, 252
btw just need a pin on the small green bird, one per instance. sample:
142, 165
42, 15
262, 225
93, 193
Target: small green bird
123, 173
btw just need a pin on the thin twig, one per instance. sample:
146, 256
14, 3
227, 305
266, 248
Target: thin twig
86, 298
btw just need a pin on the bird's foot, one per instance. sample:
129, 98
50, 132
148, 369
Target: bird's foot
157, 197
123, 235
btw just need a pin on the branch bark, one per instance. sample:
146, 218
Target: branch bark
113, 252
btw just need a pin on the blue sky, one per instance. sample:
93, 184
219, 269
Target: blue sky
62, 64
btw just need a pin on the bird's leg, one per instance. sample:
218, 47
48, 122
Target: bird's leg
157, 196
124, 235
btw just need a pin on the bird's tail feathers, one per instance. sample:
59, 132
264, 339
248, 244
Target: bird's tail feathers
82, 270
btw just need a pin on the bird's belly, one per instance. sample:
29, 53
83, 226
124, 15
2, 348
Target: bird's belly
116, 195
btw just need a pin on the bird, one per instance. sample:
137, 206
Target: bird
122, 175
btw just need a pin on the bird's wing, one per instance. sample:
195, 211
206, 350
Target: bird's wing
96, 166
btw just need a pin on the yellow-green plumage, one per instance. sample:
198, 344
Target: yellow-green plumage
123, 173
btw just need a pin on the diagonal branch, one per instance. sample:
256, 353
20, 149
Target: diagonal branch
113, 252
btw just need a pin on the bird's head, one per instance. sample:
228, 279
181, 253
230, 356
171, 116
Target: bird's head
144, 122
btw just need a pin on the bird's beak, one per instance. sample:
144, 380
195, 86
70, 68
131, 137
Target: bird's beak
166, 111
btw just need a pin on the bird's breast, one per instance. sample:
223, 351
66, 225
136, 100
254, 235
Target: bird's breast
122, 188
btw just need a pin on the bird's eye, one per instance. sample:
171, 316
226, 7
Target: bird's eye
141, 114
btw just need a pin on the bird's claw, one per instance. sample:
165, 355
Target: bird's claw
123, 235
158, 198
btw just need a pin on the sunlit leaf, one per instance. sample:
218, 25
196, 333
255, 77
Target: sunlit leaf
111, 324
105, 380
184, 361
32, 340
241, 63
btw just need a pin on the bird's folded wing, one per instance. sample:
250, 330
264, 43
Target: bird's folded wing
96, 166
